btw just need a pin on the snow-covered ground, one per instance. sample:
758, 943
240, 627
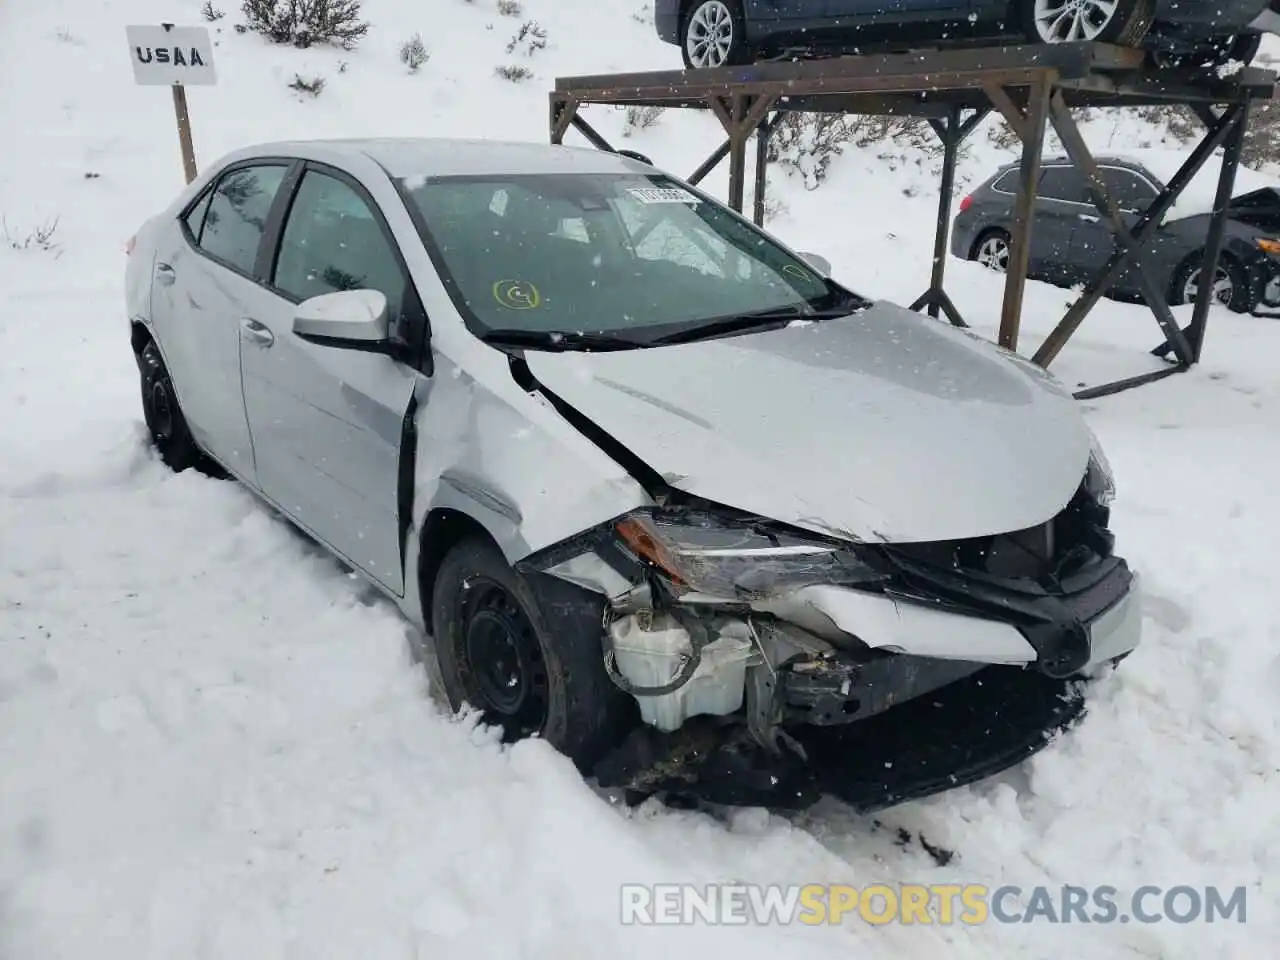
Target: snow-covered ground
213, 742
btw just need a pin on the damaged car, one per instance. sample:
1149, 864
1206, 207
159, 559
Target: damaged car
651, 485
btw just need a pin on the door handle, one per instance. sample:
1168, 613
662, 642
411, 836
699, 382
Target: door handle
256, 332
165, 274
1087, 218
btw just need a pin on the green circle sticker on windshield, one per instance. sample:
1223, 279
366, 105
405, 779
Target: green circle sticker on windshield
517, 294
792, 270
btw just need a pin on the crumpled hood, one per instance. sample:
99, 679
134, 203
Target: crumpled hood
885, 425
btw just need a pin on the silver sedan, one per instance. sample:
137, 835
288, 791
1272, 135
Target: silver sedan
651, 485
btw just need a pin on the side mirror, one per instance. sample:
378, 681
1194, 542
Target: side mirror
821, 264
354, 319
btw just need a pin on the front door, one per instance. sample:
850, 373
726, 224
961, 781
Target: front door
1061, 200
1094, 242
327, 422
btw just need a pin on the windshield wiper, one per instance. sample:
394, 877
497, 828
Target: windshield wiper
560, 339
750, 321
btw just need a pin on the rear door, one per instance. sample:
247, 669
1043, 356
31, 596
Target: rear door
1061, 200
204, 280
327, 423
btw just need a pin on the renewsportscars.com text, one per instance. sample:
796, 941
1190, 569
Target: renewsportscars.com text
941, 904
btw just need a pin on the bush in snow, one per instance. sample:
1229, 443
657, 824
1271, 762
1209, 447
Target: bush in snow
307, 22
312, 86
514, 72
413, 53
210, 12
510, 8
39, 238
640, 118
809, 142
531, 35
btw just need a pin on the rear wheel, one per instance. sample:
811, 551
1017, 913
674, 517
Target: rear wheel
1122, 22
1231, 285
992, 250
529, 673
713, 33
169, 432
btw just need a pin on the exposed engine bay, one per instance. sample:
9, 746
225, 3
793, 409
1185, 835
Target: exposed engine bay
749, 646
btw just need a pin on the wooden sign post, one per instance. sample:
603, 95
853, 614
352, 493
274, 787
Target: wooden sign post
165, 55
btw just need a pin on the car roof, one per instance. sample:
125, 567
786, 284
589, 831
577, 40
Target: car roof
432, 156
1104, 159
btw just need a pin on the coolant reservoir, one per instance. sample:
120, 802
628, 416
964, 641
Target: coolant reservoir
651, 652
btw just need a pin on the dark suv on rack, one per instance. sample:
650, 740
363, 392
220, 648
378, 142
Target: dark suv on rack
716, 33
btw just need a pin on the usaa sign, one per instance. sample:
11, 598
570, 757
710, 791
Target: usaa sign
163, 54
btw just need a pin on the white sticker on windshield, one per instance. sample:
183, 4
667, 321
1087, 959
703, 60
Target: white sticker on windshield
663, 195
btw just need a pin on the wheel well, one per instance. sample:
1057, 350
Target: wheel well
441, 532
139, 337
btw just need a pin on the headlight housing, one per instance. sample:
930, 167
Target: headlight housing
1098, 479
736, 558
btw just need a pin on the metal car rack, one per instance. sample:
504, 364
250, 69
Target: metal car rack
1031, 87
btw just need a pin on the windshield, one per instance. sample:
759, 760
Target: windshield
628, 255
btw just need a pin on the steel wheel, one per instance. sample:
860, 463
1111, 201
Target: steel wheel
500, 663
163, 414
711, 35
1224, 286
993, 252
159, 411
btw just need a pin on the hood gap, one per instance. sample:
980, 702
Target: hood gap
653, 482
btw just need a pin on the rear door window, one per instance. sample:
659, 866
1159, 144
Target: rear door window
1063, 183
237, 215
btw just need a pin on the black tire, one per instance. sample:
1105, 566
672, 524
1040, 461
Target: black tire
726, 12
994, 234
169, 432
1127, 27
1244, 295
530, 668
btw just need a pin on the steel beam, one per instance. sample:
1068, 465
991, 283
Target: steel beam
1194, 330
1033, 127
952, 133
1078, 151
1147, 224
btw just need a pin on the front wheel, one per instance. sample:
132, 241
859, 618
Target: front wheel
1122, 22
713, 33
1231, 286
530, 671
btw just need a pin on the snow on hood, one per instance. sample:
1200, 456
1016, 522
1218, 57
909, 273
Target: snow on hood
881, 426
1198, 198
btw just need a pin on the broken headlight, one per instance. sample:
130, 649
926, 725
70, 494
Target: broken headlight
736, 559
1098, 480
